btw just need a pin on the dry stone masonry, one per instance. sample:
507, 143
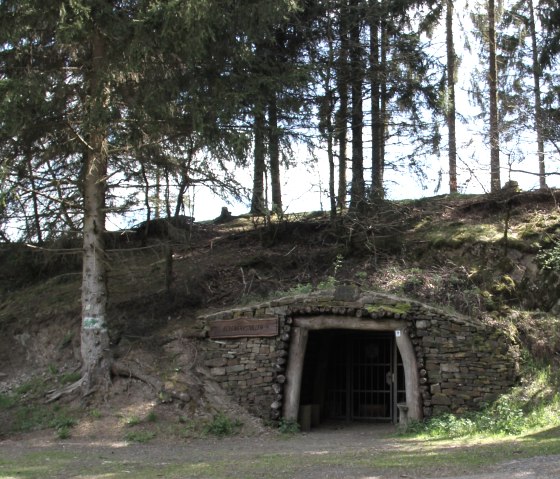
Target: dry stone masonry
462, 363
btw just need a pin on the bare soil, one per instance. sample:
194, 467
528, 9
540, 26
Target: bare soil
335, 451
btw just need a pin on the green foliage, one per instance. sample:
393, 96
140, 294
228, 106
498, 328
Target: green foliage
132, 421
222, 426
328, 283
7, 401
549, 259
63, 432
139, 436
304, 288
504, 417
288, 427
535, 404
28, 412
62, 425
69, 378
34, 387
444, 426
32, 418
95, 414
63, 421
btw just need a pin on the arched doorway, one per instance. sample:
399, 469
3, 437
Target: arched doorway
353, 375
352, 369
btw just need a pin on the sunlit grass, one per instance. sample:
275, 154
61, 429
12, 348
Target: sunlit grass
526, 409
405, 456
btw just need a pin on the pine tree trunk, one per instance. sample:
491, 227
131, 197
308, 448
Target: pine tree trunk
537, 94
342, 113
377, 130
35, 201
330, 154
258, 202
450, 107
274, 154
383, 114
329, 110
495, 182
96, 354
357, 189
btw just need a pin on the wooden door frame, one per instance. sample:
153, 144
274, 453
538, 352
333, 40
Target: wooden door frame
298, 345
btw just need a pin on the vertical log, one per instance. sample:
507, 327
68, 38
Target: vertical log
411, 376
294, 373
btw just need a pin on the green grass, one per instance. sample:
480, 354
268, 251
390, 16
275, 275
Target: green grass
404, 457
132, 421
222, 426
528, 407
24, 410
139, 436
7, 401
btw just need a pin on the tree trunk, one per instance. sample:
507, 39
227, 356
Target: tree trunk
146, 232
184, 170
357, 191
384, 115
450, 106
328, 118
330, 156
96, 355
258, 202
274, 154
537, 94
377, 128
342, 113
495, 183
341, 135
36, 216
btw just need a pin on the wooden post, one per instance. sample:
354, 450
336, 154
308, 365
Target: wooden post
294, 373
411, 377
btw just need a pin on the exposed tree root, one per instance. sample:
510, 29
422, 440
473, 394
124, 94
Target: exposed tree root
131, 370
70, 389
127, 370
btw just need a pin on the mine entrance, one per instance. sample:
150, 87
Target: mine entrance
353, 375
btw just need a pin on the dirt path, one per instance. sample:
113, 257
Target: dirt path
358, 452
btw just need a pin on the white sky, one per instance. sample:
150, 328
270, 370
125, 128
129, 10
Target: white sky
302, 185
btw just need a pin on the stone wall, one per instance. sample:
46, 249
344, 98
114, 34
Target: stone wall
462, 362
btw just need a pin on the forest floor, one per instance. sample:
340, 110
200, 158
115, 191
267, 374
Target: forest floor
335, 451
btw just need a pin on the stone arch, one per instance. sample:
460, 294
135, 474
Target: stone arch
454, 363
300, 330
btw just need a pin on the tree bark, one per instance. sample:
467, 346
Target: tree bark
36, 216
342, 113
96, 354
274, 154
357, 191
330, 156
377, 160
537, 95
450, 106
258, 202
495, 182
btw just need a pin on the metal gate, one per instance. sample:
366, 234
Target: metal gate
366, 377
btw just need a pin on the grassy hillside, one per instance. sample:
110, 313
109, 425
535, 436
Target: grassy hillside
494, 257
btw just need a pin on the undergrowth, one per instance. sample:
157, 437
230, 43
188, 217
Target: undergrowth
222, 426
24, 409
534, 404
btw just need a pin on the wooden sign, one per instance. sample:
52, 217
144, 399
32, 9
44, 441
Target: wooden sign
244, 328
